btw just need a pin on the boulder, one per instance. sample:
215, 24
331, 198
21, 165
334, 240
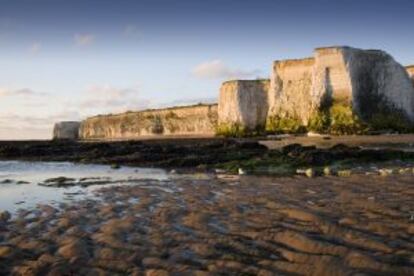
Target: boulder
66, 130
242, 105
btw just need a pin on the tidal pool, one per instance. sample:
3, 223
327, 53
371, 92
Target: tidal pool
19, 181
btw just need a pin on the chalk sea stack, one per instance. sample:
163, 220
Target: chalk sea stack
341, 90
66, 130
410, 70
243, 106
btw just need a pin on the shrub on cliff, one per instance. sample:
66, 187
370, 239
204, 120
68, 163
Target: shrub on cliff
279, 124
237, 130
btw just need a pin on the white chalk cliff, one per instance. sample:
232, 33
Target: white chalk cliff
410, 70
66, 130
371, 81
338, 90
188, 120
243, 103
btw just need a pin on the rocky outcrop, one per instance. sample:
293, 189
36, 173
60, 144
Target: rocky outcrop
66, 130
340, 90
243, 104
188, 120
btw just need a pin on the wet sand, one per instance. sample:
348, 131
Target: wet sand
26, 184
246, 225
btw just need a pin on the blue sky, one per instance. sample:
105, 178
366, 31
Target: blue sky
65, 60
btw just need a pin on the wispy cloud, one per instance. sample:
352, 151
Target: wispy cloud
19, 126
189, 101
24, 133
217, 69
131, 31
5, 92
35, 48
110, 99
27, 113
84, 39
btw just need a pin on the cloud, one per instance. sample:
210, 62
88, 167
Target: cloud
110, 99
26, 113
4, 92
216, 69
35, 48
20, 120
131, 31
26, 133
189, 101
19, 126
84, 39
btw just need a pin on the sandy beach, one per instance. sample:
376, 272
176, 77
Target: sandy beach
221, 225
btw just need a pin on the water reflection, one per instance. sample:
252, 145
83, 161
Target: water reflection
14, 194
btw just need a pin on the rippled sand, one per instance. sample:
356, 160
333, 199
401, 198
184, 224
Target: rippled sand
237, 226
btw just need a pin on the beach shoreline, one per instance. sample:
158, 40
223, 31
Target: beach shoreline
232, 225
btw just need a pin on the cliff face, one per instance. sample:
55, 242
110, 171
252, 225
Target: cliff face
290, 87
380, 85
243, 104
340, 90
410, 70
189, 120
331, 78
340, 85
66, 130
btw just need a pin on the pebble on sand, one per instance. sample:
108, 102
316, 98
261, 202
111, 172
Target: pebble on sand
344, 173
308, 172
385, 172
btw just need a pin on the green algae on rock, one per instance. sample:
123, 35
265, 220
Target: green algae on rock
340, 160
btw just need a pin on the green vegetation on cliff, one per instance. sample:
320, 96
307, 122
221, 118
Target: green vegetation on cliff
339, 118
393, 120
237, 130
279, 124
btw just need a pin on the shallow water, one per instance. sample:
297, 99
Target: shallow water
14, 196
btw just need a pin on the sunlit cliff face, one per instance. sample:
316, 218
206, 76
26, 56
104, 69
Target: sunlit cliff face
410, 70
